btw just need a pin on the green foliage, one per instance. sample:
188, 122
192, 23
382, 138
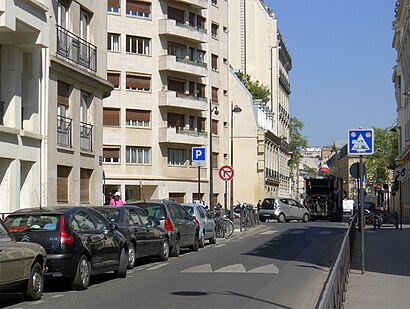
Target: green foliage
379, 166
258, 90
297, 142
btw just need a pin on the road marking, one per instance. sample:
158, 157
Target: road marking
57, 296
240, 237
36, 303
236, 268
269, 232
220, 245
158, 266
206, 268
266, 269
325, 232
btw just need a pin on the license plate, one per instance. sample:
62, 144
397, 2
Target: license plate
266, 215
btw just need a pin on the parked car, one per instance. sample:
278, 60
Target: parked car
282, 209
180, 226
143, 234
22, 265
205, 222
348, 206
79, 241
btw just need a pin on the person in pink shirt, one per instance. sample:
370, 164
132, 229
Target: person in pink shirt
116, 199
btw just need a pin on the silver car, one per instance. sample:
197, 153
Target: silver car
282, 209
205, 222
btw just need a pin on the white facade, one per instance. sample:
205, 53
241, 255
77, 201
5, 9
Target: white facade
401, 79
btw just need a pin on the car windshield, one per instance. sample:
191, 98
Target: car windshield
189, 209
31, 222
155, 210
111, 214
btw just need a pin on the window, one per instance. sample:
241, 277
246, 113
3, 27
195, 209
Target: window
111, 116
177, 50
214, 2
63, 173
114, 78
111, 154
176, 157
85, 107
214, 128
135, 219
138, 8
98, 220
62, 18
200, 56
82, 222
214, 30
176, 120
215, 94
136, 81
225, 92
138, 45
215, 159
140, 155
85, 18
85, 175
143, 215
113, 42
200, 122
201, 90
176, 14
176, 85
63, 95
225, 29
225, 61
214, 62
200, 22
113, 6
138, 118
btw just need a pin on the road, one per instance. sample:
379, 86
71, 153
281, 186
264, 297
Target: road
272, 266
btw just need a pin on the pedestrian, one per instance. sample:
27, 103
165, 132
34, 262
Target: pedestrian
259, 205
116, 199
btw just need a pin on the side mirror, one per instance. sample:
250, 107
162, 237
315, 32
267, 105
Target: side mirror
192, 217
113, 226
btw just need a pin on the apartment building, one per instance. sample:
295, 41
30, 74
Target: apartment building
401, 80
168, 62
24, 40
257, 48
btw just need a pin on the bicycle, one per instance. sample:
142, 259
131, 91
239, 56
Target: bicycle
224, 227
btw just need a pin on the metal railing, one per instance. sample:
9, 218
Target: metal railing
86, 136
76, 49
333, 292
191, 132
64, 131
191, 27
192, 62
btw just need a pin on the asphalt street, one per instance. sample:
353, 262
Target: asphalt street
272, 266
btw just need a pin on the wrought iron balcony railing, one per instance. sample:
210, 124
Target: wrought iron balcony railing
86, 136
64, 128
76, 49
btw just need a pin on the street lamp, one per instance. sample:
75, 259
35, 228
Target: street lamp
234, 109
211, 178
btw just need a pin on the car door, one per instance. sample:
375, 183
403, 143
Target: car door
285, 207
153, 237
176, 217
207, 224
82, 224
294, 209
139, 231
188, 225
11, 258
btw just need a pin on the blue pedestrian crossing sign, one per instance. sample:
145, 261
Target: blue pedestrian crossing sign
198, 156
361, 142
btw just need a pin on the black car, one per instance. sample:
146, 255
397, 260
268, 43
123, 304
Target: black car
143, 234
174, 218
79, 241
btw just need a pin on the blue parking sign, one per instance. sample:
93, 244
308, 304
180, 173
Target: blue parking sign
198, 156
361, 142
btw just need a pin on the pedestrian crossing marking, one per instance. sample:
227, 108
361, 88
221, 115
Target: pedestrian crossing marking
266, 269
269, 232
206, 268
235, 268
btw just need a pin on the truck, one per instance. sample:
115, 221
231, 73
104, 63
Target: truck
324, 197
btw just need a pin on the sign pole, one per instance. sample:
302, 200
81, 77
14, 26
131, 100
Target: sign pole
401, 208
226, 196
362, 222
199, 183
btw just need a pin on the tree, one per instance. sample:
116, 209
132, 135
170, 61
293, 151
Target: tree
258, 90
379, 166
297, 142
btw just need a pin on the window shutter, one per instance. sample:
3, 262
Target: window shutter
139, 6
214, 127
176, 14
214, 62
85, 175
201, 89
138, 81
214, 94
176, 120
63, 93
111, 153
176, 85
114, 77
215, 159
138, 115
111, 117
63, 172
114, 3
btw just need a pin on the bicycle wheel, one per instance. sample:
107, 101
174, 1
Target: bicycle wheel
228, 227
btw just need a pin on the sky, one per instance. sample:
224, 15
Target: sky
343, 60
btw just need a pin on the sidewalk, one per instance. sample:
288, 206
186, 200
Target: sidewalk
386, 281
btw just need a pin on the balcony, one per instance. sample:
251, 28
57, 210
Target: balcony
182, 65
76, 50
86, 136
176, 99
284, 81
197, 4
182, 136
173, 28
64, 127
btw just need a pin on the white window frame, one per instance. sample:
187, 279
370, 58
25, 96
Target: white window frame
115, 42
62, 18
138, 14
85, 20
112, 160
137, 123
85, 107
176, 157
137, 155
114, 10
141, 45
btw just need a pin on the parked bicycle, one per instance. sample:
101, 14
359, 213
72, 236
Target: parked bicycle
224, 227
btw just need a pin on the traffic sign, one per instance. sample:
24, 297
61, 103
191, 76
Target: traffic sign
355, 170
361, 142
226, 172
198, 156
400, 173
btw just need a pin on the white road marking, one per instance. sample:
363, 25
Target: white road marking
206, 268
220, 245
240, 237
57, 296
236, 268
158, 266
266, 269
325, 232
269, 232
36, 303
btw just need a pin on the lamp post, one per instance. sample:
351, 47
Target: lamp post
211, 178
234, 109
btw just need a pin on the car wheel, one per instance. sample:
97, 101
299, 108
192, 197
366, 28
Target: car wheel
262, 219
175, 249
164, 250
195, 246
202, 241
281, 217
131, 256
212, 241
305, 218
35, 283
82, 275
122, 265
